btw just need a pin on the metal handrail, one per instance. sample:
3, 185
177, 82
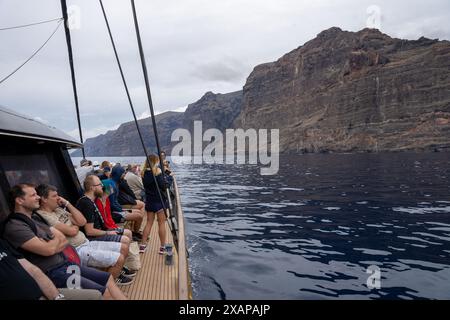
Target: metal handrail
183, 270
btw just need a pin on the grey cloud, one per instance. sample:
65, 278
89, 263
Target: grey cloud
192, 46
226, 70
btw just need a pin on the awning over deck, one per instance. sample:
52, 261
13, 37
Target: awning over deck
17, 125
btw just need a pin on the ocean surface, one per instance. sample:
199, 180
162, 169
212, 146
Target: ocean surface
319, 228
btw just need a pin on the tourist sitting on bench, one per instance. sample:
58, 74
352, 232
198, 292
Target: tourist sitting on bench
42, 245
61, 214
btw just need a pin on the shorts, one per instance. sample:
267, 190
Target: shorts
90, 278
118, 218
99, 254
121, 216
107, 238
154, 206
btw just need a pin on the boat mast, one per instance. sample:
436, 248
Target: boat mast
155, 130
72, 70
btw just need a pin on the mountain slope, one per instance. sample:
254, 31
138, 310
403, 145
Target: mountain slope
346, 91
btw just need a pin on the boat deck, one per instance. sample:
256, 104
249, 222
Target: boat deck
155, 280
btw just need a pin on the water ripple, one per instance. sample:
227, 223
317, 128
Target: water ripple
312, 231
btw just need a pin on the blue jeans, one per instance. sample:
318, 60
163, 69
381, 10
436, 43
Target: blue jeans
90, 278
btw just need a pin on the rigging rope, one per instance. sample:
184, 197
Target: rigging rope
150, 103
172, 228
72, 70
30, 24
33, 55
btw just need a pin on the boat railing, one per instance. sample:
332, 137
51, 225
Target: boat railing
183, 268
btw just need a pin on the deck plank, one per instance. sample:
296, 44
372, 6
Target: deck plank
155, 280
151, 261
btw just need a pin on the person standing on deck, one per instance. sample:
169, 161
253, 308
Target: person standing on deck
153, 204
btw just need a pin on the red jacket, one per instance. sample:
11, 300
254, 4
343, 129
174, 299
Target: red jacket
106, 213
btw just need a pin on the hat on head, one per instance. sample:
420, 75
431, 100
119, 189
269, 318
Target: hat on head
117, 172
84, 162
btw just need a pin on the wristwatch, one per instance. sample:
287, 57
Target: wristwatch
60, 297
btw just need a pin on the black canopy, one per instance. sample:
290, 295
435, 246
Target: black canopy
14, 124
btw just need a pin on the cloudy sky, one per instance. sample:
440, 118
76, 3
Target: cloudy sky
192, 46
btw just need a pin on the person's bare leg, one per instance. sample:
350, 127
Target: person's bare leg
124, 249
117, 268
162, 227
127, 233
115, 291
148, 226
138, 208
107, 295
139, 205
137, 216
125, 241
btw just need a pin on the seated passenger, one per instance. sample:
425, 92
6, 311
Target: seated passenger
104, 173
21, 280
133, 212
84, 170
105, 164
43, 246
95, 228
134, 181
96, 254
103, 205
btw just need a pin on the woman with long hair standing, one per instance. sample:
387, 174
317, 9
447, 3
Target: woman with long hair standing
153, 204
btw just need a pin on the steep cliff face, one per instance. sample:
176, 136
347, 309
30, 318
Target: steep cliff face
346, 91
125, 140
340, 92
214, 110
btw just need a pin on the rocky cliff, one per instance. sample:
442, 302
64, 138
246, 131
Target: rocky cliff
349, 92
214, 110
125, 140
340, 92
217, 111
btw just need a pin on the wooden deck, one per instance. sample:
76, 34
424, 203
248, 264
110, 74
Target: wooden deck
155, 280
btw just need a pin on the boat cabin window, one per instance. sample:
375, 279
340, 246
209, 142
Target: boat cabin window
4, 210
31, 168
34, 169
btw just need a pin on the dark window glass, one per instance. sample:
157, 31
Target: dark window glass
34, 168
4, 210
